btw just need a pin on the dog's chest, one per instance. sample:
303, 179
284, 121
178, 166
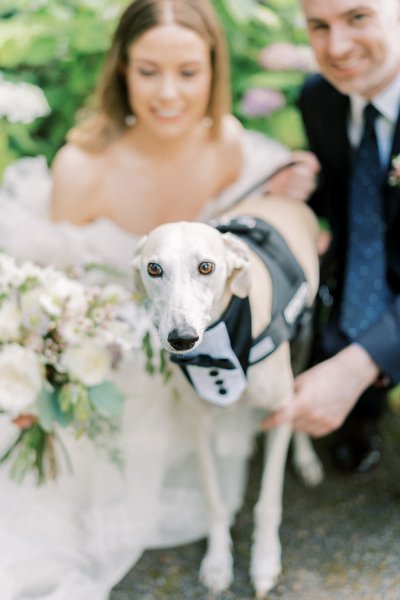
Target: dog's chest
270, 382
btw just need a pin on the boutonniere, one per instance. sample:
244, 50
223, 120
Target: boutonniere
394, 173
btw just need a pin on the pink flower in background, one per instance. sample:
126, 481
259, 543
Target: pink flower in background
261, 102
283, 56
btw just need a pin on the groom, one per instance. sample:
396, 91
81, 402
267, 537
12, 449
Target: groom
351, 116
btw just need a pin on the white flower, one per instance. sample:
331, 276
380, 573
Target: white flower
63, 292
12, 276
135, 323
34, 317
22, 102
394, 174
20, 378
89, 363
10, 321
8, 273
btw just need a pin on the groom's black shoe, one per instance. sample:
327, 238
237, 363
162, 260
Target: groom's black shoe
357, 445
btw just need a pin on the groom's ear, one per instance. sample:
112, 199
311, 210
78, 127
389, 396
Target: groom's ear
138, 287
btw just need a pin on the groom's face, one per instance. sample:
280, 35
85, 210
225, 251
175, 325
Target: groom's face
356, 42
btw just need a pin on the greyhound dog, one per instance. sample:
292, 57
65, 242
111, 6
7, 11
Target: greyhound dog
193, 273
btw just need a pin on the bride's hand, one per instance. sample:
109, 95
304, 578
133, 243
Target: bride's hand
297, 181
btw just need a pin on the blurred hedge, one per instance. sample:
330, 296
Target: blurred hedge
59, 46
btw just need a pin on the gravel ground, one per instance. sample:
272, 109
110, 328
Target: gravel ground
340, 540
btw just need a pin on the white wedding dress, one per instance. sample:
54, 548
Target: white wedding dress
75, 538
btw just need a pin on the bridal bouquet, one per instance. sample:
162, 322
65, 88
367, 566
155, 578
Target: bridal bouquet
60, 339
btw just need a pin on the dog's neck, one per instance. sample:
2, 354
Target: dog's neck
260, 297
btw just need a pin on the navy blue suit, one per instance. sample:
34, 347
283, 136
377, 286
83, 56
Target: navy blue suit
325, 113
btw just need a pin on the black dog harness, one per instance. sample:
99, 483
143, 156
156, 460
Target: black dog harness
217, 368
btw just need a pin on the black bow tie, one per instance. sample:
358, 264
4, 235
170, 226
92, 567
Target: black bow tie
202, 360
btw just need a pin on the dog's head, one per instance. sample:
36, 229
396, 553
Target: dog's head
189, 271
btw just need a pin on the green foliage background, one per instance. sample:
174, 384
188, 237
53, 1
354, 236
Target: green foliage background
59, 45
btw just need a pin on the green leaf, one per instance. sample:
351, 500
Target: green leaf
107, 399
42, 50
7, 156
268, 17
242, 10
49, 410
274, 80
82, 408
286, 125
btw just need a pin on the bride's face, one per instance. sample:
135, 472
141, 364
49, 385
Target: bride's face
169, 79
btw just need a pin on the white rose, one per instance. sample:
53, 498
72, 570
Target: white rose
34, 317
20, 378
59, 291
89, 363
10, 321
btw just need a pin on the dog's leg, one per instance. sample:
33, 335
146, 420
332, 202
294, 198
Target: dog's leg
216, 571
266, 550
305, 460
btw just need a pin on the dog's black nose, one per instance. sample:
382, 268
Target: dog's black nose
182, 340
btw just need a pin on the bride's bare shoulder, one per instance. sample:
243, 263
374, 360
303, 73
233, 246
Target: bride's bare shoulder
231, 144
72, 159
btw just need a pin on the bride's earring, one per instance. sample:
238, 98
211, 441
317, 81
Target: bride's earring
130, 120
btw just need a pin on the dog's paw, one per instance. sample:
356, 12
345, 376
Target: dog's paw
216, 571
265, 569
311, 472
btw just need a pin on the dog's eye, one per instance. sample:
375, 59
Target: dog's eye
154, 270
206, 268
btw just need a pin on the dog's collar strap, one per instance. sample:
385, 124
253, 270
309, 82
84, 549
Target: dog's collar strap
290, 288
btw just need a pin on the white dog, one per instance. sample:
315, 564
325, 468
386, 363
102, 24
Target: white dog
191, 272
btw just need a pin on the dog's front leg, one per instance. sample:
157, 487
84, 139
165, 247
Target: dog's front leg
216, 571
266, 550
306, 461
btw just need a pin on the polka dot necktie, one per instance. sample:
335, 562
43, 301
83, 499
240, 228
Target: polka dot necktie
365, 292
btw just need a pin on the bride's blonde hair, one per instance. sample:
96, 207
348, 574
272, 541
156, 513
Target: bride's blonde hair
114, 109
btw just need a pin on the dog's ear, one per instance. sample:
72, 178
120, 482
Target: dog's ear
138, 287
238, 262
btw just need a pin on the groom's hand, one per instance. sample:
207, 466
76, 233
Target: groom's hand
297, 181
325, 394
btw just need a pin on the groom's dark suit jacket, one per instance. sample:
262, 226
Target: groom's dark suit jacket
325, 113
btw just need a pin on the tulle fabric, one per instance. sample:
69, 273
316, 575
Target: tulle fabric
78, 536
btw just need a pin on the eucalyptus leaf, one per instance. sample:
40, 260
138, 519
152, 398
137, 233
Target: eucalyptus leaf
49, 411
82, 408
107, 399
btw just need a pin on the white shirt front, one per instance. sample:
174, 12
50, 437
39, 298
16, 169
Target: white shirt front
387, 103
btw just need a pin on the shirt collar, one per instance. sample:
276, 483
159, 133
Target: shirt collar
386, 102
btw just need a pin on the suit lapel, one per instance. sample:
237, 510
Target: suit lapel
396, 140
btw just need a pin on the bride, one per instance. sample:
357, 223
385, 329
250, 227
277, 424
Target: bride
161, 147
